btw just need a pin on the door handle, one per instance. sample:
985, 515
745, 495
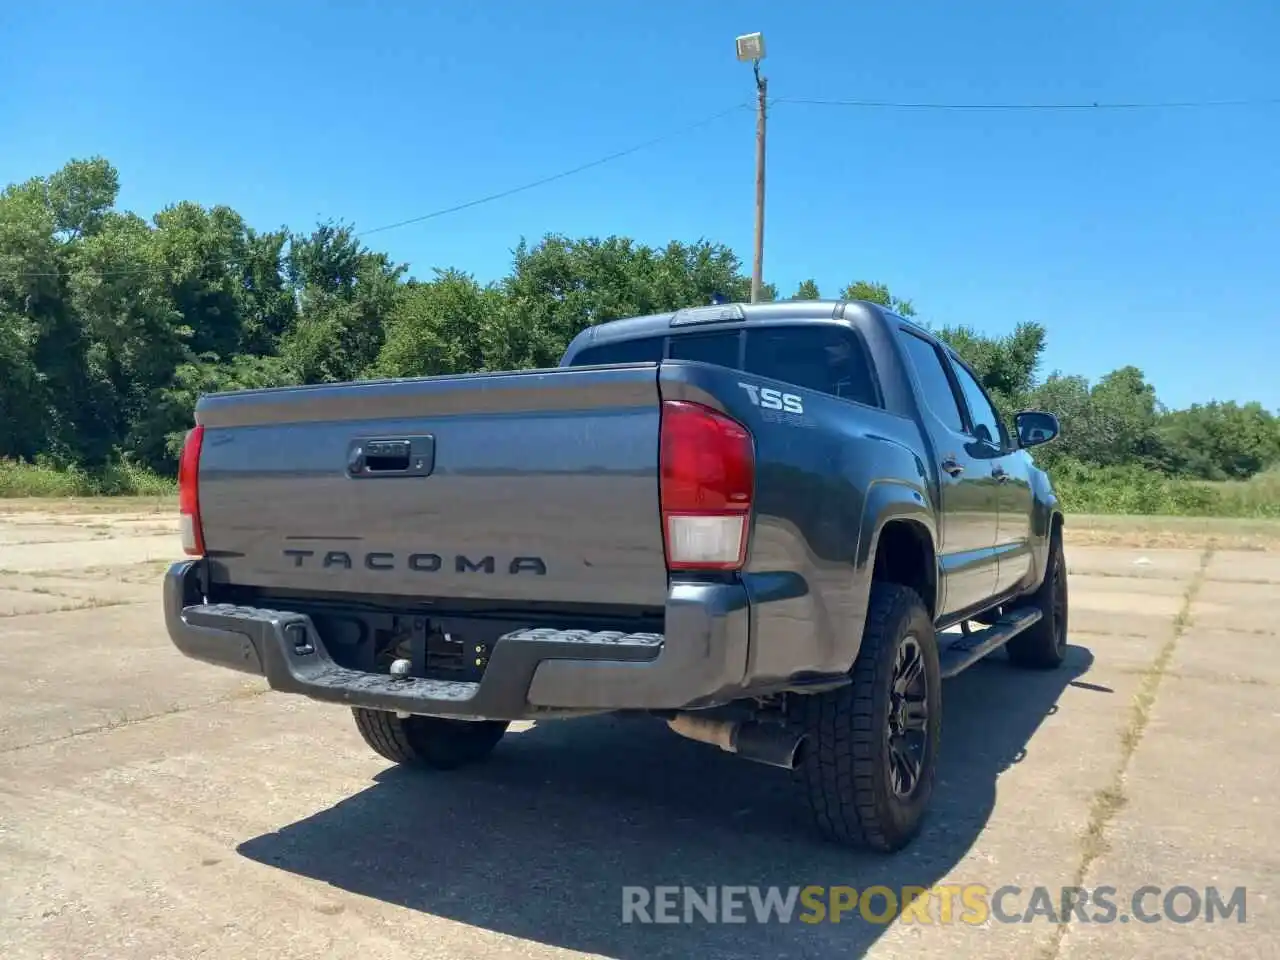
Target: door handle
952, 467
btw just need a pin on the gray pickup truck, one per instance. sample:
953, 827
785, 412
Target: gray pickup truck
751, 522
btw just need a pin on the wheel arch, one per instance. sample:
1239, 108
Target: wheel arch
905, 555
899, 544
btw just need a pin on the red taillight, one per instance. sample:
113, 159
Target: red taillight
707, 473
189, 493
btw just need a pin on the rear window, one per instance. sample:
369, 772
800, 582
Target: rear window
718, 348
648, 350
828, 359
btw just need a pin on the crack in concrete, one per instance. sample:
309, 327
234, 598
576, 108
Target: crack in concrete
87, 604
1206, 676
88, 573
1110, 800
98, 537
118, 724
45, 591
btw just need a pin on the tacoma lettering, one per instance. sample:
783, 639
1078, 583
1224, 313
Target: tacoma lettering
463, 565
382, 562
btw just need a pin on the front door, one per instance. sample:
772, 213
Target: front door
1011, 479
1014, 556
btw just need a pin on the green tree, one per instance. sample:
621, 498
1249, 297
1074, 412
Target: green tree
80, 195
1067, 398
112, 326
1125, 414
808, 290
344, 292
30, 301
50, 396
132, 329
878, 293
1220, 441
1006, 365
170, 416
200, 253
560, 287
444, 326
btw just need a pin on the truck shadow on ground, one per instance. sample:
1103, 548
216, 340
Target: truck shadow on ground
539, 841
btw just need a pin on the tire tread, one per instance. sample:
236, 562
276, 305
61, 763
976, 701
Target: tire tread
427, 741
842, 774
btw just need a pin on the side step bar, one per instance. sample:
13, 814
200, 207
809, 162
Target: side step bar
969, 649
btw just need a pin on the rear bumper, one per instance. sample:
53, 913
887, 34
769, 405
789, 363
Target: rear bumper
700, 660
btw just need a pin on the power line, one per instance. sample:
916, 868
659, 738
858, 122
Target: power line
609, 158
707, 121
489, 198
1150, 105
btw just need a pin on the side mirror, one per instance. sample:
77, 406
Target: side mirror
1036, 427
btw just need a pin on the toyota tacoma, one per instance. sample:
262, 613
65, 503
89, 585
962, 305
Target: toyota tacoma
757, 523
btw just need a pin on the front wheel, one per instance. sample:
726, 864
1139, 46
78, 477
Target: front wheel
871, 756
428, 741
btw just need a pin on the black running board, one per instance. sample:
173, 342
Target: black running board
969, 649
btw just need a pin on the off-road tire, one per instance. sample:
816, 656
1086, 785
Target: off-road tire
1043, 645
844, 767
428, 741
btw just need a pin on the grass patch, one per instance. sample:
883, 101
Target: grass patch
19, 479
1135, 491
1256, 497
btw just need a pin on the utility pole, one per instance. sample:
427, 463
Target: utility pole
751, 47
757, 273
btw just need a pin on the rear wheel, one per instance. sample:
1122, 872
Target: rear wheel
1043, 646
428, 741
871, 755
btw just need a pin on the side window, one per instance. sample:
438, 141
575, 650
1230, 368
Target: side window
717, 348
934, 382
828, 359
648, 350
986, 422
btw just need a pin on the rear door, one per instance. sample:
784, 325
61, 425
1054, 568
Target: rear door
970, 500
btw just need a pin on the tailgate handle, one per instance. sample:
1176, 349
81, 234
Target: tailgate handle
387, 457
371, 457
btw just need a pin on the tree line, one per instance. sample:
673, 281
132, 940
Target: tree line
111, 327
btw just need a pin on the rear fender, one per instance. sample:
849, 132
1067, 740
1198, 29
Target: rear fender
887, 501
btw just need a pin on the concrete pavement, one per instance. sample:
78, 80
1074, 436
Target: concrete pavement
154, 807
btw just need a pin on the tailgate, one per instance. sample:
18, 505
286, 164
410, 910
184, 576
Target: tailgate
538, 486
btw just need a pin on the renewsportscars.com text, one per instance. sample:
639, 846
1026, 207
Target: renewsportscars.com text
973, 904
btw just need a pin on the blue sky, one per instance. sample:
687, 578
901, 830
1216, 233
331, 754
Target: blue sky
1146, 237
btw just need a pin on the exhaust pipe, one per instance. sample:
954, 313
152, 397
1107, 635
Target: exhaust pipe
764, 743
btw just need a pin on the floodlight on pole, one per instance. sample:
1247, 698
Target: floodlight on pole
750, 48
